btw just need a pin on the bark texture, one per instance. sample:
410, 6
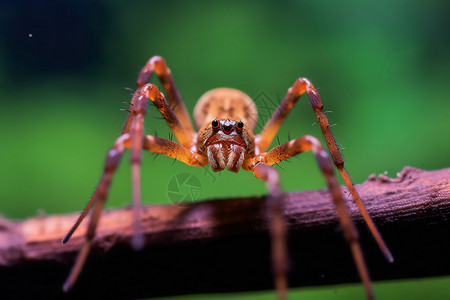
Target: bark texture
223, 245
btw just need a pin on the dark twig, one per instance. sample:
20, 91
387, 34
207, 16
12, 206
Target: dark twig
223, 245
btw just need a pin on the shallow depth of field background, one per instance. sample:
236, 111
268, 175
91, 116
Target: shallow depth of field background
382, 68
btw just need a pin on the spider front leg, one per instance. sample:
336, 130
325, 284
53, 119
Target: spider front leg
174, 150
307, 143
269, 131
184, 131
158, 65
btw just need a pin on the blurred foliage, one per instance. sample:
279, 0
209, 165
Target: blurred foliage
382, 68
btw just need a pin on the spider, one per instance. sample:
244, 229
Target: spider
225, 118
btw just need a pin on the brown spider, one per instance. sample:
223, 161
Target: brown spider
225, 140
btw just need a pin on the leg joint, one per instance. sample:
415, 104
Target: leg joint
157, 64
151, 91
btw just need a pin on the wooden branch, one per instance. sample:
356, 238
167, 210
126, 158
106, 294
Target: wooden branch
223, 245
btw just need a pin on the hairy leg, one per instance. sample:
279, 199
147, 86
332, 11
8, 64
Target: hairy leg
269, 131
185, 138
174, 150
158, 65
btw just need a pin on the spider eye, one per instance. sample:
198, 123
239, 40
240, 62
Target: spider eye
215, 124
240, 125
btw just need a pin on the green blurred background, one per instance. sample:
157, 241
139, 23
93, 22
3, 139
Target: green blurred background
382, 68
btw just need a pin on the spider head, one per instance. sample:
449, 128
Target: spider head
226, 143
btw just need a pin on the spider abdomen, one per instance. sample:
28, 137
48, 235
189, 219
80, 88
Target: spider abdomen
225, 103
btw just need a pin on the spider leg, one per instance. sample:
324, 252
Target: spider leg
136, 127
148, 91
269, 131
158, 65
186, 138
307, 143
137, 143
112, 161
277, 226
169, 148
139, 103
134, 140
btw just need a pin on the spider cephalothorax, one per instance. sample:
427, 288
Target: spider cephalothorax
226, 119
